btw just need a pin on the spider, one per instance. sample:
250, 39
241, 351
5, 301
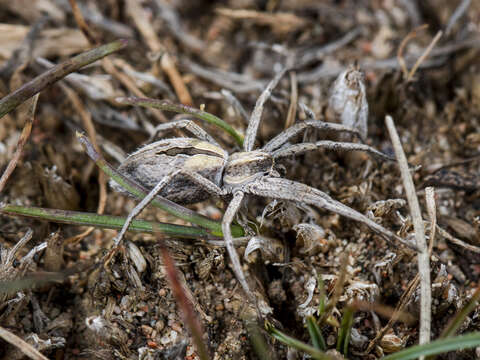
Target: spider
188, 170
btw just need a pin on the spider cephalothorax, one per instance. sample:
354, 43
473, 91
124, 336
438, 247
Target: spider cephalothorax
244, 167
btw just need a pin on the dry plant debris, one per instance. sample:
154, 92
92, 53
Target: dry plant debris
220, 56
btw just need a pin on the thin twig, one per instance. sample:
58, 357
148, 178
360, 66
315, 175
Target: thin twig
423, 256
401, 61
173, 22
424, 55
439, 57
458, 242
81, 23
304, 58
337, 290
238, 83
183, 109
21, 344
140, 18
385, 311
292, 109
432, 213
457, 14
413, 11
169, 67
186, 307
129, 83
21, 142
402, 303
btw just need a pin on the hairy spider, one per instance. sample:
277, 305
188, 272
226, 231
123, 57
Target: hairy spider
189, 170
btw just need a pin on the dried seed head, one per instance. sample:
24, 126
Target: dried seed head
311, 239
272, 250
96, 323
137, 257
348, 100
391, 343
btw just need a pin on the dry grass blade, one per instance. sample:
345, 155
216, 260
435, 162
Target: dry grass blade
457, 14
385, 311
185, 305
129, 83
337, 291
423, 256
412, 285
281, 22
82, 24
432, 213
168, 65
25, 347
401, 60
425, 54
21, 143
292, 109
458, 242
309, 56
172, 20
144, 26
49, 77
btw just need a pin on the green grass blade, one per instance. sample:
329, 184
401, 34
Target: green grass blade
345, 331
103, 221
183, 109
257, 340
297, 344
315, 334
437, 347
322, 296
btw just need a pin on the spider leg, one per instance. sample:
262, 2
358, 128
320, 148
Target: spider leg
254, 122
279, 188
227, 234
293, 130
185, 124
197, 178
298, 149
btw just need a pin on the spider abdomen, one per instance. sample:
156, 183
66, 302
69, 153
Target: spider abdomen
151, 163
